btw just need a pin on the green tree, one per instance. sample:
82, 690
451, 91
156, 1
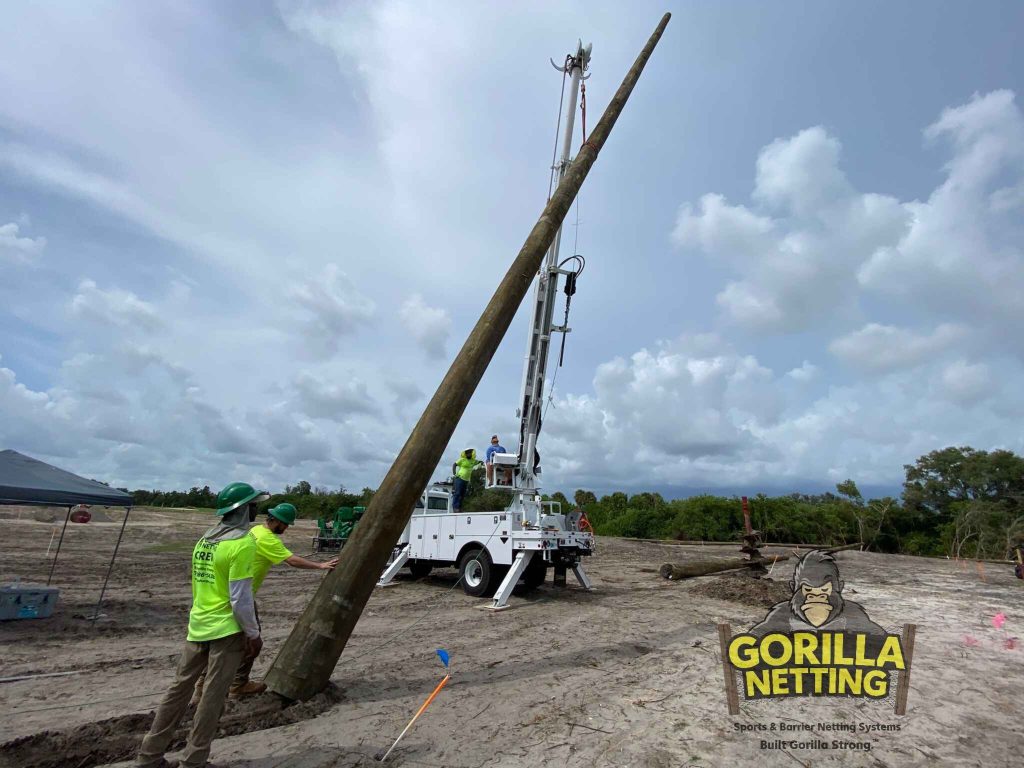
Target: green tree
583, 498
968, 501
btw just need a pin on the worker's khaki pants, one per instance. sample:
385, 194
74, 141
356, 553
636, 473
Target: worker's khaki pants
245, 668
219, 659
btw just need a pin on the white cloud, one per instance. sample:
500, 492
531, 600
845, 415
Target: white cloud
813, 245
115, 307
335, 401
801, 175
814, 255
877, 347
68, 177
799, 265
406, 395
722, 230
685, 416
331, 308
806, 372
292, 442
19, 249
967, 382
429, 326
963, 255
747, 305
677, 406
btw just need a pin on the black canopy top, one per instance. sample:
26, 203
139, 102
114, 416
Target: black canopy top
24, 480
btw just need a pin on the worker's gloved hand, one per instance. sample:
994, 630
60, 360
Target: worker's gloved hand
253, 646
329, 565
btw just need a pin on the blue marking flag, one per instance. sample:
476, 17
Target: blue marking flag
443, 655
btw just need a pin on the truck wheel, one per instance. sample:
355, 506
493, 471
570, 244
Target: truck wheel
535, 573
420, 568
479, 576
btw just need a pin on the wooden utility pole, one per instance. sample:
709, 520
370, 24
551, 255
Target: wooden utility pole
304, 665
675, 571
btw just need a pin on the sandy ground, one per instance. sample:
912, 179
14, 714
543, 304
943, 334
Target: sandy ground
626, 675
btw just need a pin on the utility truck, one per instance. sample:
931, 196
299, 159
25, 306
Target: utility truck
494, 550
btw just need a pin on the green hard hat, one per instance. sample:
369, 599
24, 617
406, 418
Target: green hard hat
235, 495
284, 512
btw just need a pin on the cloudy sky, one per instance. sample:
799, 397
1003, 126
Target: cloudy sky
245, 240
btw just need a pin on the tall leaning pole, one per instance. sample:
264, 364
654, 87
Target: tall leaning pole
305, 663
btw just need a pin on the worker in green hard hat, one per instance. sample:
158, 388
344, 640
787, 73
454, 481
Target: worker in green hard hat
222, 630
271, 551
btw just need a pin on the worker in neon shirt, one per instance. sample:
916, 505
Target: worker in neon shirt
270, 551
222, 630
463, 469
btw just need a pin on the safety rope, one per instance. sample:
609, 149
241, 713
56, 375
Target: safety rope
551, 393
558, 126
576, 237
583, 109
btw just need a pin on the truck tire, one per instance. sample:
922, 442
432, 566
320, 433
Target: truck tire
420, 568
535, 573
479, 576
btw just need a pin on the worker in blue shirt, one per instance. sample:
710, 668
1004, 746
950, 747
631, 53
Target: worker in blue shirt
493, 448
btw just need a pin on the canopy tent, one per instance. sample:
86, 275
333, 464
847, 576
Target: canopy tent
24, 480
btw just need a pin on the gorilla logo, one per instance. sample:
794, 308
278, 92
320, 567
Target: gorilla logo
817, 602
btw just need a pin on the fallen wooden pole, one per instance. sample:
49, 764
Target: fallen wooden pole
843, 548
304, 664
676, 571
702, 543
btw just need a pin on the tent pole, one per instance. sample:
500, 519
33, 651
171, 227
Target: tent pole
113, 557
57, 553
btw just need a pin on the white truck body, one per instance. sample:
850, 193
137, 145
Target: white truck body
515, 545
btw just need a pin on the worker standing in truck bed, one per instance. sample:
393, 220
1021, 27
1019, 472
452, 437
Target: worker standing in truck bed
463, 473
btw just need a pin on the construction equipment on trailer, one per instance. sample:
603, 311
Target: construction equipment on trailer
332, 534
494, 550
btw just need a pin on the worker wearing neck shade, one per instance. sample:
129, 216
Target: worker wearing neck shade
222, 630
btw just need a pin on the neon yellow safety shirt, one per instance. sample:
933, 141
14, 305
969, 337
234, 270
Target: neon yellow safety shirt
214, 566
269, 551
465, 465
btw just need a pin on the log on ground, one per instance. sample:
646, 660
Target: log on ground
676, 571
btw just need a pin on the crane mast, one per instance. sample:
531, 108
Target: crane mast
538, 340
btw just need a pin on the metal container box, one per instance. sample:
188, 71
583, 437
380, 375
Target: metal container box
27, 601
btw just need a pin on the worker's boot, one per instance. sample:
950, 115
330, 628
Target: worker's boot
248, 688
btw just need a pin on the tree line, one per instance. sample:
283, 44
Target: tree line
309, 501
957, 501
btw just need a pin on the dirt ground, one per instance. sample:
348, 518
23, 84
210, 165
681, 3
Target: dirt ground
626, 675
